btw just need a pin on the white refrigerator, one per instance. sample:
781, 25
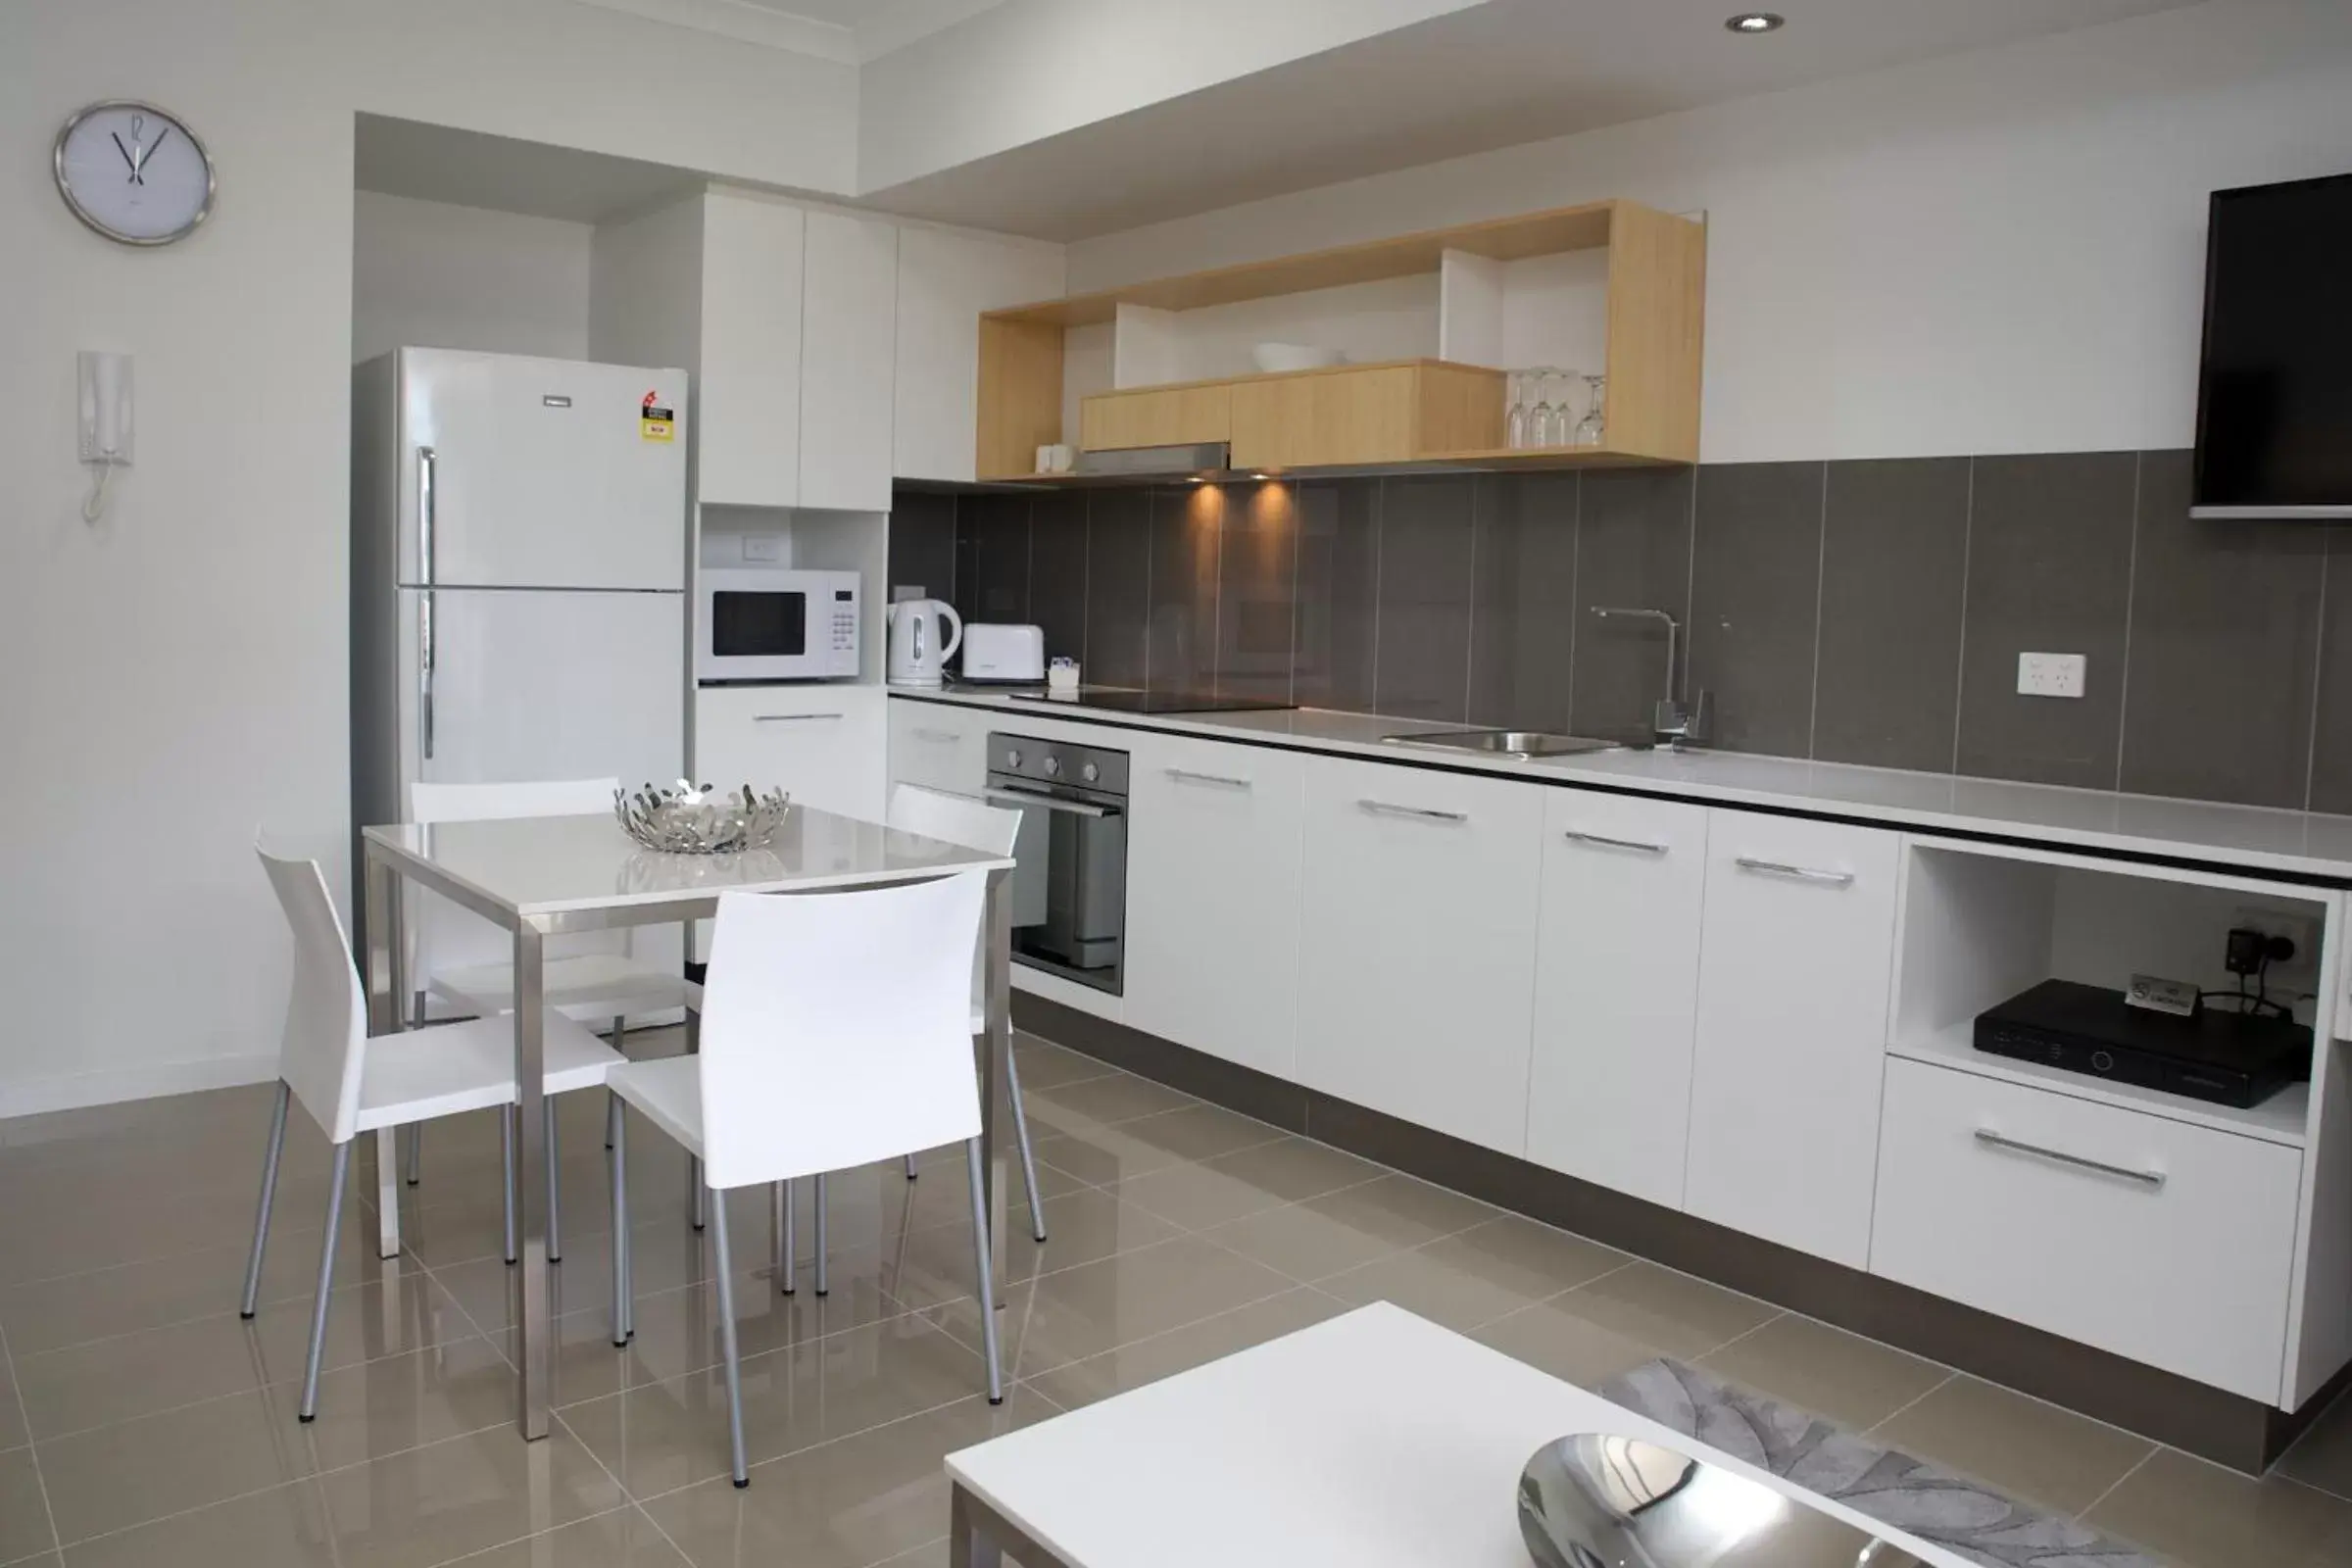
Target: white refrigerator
517, 578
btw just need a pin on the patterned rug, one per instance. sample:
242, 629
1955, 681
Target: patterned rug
1957, 1514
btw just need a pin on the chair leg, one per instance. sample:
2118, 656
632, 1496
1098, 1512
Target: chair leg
726, 1339
620, 1028
506, 1186
554, 1183
822, 1283
415, 1172
911, 1171
790, 1278
980, 1262
1021, 1136
617, 1138
327, 1274
260, 1216
698, 1196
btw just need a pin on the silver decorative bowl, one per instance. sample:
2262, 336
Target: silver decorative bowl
686, 821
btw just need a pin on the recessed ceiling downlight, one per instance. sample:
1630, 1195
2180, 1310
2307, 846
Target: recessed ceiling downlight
1756, 22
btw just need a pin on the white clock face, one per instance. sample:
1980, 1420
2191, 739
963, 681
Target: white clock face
134, 173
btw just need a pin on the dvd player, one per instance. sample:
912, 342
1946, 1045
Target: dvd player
2227, 1057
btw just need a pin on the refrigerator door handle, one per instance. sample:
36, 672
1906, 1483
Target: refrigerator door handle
425, 600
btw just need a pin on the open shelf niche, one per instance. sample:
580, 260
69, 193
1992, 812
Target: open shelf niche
1430, 321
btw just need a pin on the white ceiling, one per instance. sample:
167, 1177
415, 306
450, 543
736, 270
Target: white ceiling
1495, 75
846, 31
438, 164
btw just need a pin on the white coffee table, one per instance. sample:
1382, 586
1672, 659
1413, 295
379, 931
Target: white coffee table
1377, 1440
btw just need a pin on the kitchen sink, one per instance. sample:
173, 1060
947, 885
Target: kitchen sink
1518, 743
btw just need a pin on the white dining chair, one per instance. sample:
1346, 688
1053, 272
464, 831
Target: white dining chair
467, 963
352, 1085
834, 1033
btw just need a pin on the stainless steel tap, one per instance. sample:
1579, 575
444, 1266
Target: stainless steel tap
1671, 723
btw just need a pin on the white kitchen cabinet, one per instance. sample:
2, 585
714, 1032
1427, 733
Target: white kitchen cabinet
1417, 945
2169, 1244
1617, 991
939, 746
822, 743
1213, 843
1796, 950
945, 280
848, 326
749, 444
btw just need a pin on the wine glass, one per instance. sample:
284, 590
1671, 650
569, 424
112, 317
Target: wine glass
1542, 417
1514, 420
1591, 429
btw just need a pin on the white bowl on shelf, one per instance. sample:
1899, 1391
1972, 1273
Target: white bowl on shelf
1276, 357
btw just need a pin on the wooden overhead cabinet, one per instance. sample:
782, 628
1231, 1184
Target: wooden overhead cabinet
1432, 413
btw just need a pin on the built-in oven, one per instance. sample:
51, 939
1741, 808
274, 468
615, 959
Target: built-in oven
1070, 892
775, 623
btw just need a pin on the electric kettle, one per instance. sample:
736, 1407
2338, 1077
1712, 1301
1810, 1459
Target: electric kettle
924, 633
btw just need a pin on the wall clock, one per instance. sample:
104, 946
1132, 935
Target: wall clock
133, 172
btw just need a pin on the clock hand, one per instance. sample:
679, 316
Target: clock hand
148, 152
127, 161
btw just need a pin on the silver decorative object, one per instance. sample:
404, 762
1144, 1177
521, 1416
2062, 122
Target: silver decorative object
1599, 1501
687, 821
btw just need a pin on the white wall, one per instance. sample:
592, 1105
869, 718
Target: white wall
1996, 252
429, 274
176, 675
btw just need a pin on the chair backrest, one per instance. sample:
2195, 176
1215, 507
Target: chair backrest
836, 1028
323, 1051
442, 937
958, 819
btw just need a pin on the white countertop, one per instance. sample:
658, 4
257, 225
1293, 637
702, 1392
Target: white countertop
2302, 843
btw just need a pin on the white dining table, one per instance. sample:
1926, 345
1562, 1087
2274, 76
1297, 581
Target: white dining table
546, 876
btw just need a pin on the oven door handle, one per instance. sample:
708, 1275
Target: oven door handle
1050, 803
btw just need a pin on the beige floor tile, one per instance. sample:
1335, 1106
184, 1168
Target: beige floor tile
930, 1554
1565, 1343
2028, 1450
1193, 1196
2198, 1515
936, 1266
1069, 1316
51, 1235
436, 1503
285, 1527
1201, 1132
673, 1433
843, 1504
622, 1539
1471, 1279
2321, 1457
158, 1369
12, 1412
24, 1521
1105, 1101
133, 1472
1401, 1209
1302, 1241
1295, 1168
677, 1332
1826, 1370
1130, 1366
1678, 1315
1045, 1065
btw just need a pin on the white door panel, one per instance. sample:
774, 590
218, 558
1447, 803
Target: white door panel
543, 473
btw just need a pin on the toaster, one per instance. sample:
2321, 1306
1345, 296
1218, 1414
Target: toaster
1003, 652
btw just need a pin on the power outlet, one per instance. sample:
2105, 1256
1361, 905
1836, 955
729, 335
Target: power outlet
2300, 973
765, 547
2050, 674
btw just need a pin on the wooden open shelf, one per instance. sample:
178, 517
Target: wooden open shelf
1411, 413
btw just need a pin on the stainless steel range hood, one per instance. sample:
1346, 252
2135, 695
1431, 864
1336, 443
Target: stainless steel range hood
1206, 460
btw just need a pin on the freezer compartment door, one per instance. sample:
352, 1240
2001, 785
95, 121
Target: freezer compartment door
522, 472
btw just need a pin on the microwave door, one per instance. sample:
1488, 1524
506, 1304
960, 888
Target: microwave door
759, 623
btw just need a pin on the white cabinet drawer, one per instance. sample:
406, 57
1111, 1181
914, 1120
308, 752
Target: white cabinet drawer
938, 747
1213, 842
1417, 945
824, 744
1796, 952
2162, 1242
1617, 991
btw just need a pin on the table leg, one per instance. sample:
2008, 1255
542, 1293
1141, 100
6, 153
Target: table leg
530, 1190
698, 1196
970, 1545
995, 1060
387, 983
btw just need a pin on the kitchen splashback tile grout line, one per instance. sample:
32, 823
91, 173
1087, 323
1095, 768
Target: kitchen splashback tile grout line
1470, 609
1821, 572
1968, 544
1380, 506
2122, 689
2318, 673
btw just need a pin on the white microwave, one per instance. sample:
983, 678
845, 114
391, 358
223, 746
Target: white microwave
770, 623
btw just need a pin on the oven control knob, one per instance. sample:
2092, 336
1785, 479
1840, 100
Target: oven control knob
1053, 766
1012, 761
1090, 772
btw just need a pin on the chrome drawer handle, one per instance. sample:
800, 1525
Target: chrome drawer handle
1800, 873
947, 735
1421, 813
791, 718
2150, 1179
1603, 841
1185, 775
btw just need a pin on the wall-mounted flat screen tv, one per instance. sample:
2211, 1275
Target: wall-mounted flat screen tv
2274, 394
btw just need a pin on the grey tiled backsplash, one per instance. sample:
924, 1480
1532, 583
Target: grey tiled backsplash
1855, 611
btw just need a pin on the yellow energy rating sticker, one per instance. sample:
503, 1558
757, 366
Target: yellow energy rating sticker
653, 422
